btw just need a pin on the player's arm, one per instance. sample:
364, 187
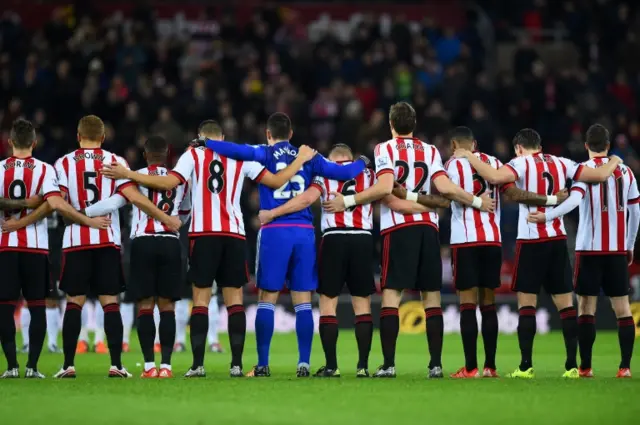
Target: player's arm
333, 171
134, 196
577, 193
298, 203
106, 206
57, 203
514, 194
452, 191
632, 225
11, 225
599, 174
502, 175
381, 188
117, 171
403, 206
238, 151
428, 200
274, 181
19, 204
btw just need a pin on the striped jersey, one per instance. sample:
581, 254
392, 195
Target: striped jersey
470, 225
414, 165
354, 218
216, 186
79, 178
545, 175
603, 209
171, 202
22, 178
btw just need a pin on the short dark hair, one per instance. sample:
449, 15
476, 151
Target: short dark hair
279, 124
211, 127
156, 145
461, 133
341, 149
528, 138
23, 133
403, 118
597, 138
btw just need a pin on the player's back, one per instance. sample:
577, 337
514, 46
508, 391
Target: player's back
414, 164
21, 179
354, 218
168, 201
603, 209
80, 179
470, 225
216, 186
543, 174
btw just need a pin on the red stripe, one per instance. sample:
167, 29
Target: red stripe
357, 213
477, 217
621, 223
145, 312
200, 310
35, 303
97, 165
111, 308
404, 156
420, 156
469, 306
8, 178
634, 201
515, 267
224, 209
207, 214
385, 260
73, 306
626, 322
85, 238
388, 311
604, 209
567, 314
236, 180
339, 217
586, 319
235, 309
38, 189
431, 312
195, 186
576, 270
492, 216
541, 190
27, 178
553, 170
364, 318
527, 311
486, 308
328, 320
402, 225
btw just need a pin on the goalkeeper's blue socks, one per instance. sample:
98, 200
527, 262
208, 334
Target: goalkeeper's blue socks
264, 331
304, 331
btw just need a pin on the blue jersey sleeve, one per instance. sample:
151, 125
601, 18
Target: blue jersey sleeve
238, 152
331, 170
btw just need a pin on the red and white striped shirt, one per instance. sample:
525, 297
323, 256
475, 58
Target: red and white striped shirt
603, 209
22, 178
470, 226
79, 178
356, 218
216, 185
545, 175
414, 165
171, 202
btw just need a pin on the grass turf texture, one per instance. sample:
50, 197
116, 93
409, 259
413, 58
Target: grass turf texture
94, 399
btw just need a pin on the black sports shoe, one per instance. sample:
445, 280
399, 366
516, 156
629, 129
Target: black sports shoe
303, 372
325, 372
260, 372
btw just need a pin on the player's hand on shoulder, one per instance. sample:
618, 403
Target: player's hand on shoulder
335, 204
265, 216
366, 160
536, 217
10, 225
306, 153
562, 195
488, 203
399, 191
616, 158
114, 171
462, 153
198, 142
99, 222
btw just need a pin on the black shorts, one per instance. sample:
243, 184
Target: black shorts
156, 268
26, 273
96, 271
219, 258
542, 265
595, 271
346, 258
411, 259
476, 266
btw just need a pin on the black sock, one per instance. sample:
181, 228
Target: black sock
586, 338
489, 334
570, 334
435, 334
113, 331
199, 329
237, 332
364, 335
626, 336
8, 333
329, 338
526, 333
389, 328
167, 331
71, 324
146, 333
469, 332
37, 331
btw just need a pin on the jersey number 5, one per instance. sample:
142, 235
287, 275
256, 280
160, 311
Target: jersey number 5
89, 185
281, 192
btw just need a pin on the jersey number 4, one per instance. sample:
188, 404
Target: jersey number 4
288, 190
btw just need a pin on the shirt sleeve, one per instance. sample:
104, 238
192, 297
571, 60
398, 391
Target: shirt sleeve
573, 168
579, 187
123, 183
437, 169
517, 167
50, 186
184, 211
238, 151
61, 176
634, 195
106, 206
383, 160
254, 170
564, 208
318, 183
185, 166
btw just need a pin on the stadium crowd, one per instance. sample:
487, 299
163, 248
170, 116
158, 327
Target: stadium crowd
145, 79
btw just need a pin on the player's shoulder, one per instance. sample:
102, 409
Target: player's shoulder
383, 146
452, 162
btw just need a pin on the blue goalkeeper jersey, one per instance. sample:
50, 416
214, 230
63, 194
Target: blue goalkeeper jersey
277, 157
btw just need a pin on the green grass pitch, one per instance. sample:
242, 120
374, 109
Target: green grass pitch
283, 399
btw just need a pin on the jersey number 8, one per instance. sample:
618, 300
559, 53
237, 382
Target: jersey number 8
298, 180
